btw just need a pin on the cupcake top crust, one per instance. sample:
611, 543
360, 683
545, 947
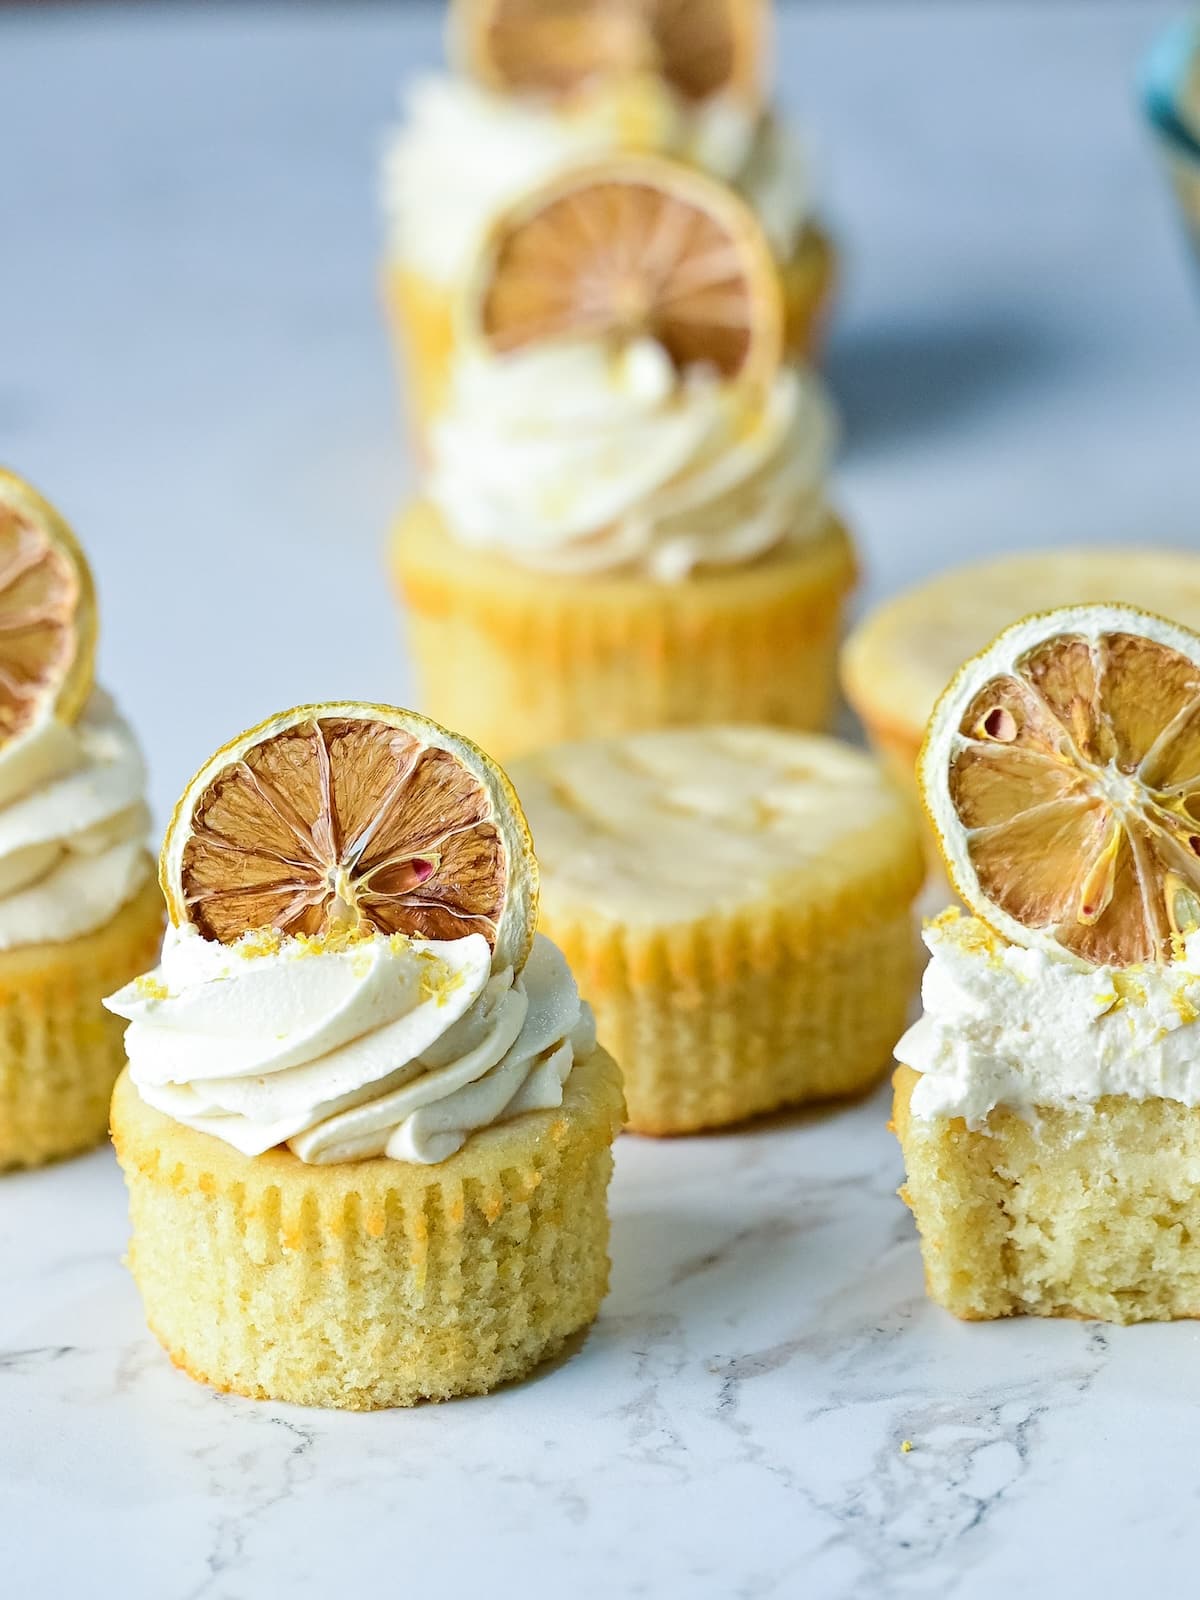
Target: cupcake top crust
675, 827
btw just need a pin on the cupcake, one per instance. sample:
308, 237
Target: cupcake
737, 903
79, 910
1048, 1101
365, 1125
541, 89
626, 522
897, 662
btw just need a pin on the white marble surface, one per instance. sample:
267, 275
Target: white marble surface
190, 360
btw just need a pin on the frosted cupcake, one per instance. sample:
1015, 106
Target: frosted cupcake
542, 89
1048, 1104
737, 903
79, 910
626, 523
366, 1127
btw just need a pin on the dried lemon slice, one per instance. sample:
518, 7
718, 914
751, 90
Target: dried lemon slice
47, 613
1061, 771
633, 247
701, 47
352, 816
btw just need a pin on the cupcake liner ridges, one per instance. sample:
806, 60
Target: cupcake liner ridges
518, 659
374, 1283
747, 1013
60, 1051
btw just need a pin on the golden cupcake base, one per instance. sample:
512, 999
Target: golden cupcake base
1089, 1212
520, 659
745, 944
60, 1051
809, 282
745, 1015
375, 1283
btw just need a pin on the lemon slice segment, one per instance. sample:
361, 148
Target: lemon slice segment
47, 614
353, 817
634, 247
553, 47
1061, 772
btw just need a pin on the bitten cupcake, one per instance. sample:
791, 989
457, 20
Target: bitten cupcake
79, 909
1048, 1104
366, 1126
626, 523
737, 903
542, 88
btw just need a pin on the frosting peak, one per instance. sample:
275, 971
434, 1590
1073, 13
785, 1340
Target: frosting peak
1006, 1026
73, 825
347, 1049
464, 153
579, 457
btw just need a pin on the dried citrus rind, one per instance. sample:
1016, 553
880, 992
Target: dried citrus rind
1061, 772
701, 48
636, 246
47, 614
352, 816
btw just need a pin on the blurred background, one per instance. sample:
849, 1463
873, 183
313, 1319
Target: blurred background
193, 362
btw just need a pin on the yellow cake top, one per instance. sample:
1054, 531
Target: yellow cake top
897, 663
675, 826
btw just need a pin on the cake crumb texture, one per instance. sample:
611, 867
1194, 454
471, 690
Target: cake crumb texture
60, 1051
375, 1283
1090, 1212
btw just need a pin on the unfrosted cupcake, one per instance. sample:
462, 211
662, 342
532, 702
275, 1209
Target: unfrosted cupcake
898, 660
79, 910
366, 1126
737, 903
626, 522
542, 89
1048, 1104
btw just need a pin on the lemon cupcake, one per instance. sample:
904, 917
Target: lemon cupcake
79, 910
366, 1126
541, 89
626, 522
737, 903
899, 659
1048, 1104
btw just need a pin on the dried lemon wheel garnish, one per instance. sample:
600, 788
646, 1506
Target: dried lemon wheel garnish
47, 614
350, 816
701, 47
1061, 772
630, 248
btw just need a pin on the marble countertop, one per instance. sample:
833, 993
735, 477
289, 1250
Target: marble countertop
191, 362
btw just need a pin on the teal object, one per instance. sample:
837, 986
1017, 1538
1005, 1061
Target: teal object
1170, 89
1165, 79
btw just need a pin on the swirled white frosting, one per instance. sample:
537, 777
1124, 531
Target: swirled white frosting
73, 826
386, 1046
462, 154
1006, 1026
575, 457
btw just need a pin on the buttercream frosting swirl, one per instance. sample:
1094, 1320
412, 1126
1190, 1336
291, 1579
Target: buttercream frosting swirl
462, 153
73, 825
1006, 1026
349, 1049
577, 457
